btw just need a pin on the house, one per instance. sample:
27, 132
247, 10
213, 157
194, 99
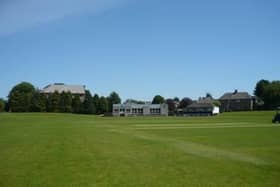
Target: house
132, 109
61, 87
237, 101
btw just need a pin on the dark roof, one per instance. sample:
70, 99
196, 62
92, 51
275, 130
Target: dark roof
200, 105
208, 100
236, 95
60, 87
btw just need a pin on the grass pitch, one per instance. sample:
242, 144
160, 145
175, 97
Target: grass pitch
232, 149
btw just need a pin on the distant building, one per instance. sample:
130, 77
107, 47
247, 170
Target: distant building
61, 87
201, 109
237, 101
131, 109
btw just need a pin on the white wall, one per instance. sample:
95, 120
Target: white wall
216, 110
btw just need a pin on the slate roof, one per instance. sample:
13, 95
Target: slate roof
206, 100
236, 95
60, 87
200, 105
133, 105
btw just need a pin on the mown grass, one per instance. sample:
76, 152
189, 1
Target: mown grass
232, 149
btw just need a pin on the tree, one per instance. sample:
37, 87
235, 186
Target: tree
76, 104
269, 93
7, 106
171, 106
35, 102
95, 101
113, 98
2, 105
53, 102
176, 99
103, 105
209, 95
38, 102
185, 102
88, 106
20, 97
217, 103
158, 100
260, 88
65, 102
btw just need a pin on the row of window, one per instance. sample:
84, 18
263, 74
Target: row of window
200, 110
138, 110
155, 110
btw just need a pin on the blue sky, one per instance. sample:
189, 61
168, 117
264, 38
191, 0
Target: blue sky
140, 48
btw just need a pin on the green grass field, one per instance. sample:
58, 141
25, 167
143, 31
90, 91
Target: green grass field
233, 149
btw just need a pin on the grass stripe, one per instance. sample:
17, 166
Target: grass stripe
197, 149
202, 127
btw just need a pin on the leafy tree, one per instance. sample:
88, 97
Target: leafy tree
65, 102
43, 102
260, 88
2, 105
269, 93
68, 102
95, 101
158, 100
103, 105
7, 106
53, 102
35, 102
76, 104
171, 106
271, 96
113, 98
185, 102
20, 97
88, 107
209, 95
217, 103
176, 99
38, 102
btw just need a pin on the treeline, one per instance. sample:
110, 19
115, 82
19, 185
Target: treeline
25, 98
269, 93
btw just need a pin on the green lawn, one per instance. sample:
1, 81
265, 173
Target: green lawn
233, 149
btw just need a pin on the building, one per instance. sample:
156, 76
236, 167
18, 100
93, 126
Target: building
61, 87
237, 101
131, 109
201, 109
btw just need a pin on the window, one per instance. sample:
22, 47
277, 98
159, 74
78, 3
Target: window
140, 110
158, 110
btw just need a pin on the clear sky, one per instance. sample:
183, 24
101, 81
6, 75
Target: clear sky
140, 48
